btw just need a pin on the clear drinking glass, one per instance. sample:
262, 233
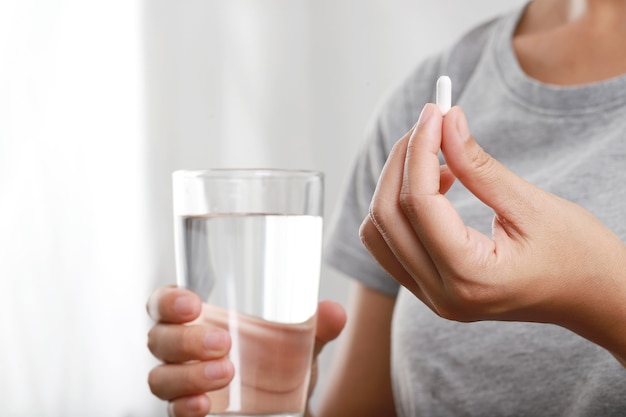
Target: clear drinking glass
248, 242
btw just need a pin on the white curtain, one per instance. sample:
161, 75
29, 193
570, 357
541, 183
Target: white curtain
101, 101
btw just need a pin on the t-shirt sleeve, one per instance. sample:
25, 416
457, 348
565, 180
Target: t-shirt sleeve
343, 249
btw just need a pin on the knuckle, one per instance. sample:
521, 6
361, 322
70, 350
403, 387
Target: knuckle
152, 306
187, 341
379, 213
480, 159
455, 311
447, 311
483, 163
154, 382
189, 380
409, 204
159, 301
170, 381
152, 343
367, 231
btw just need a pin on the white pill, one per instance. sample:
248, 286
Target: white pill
444, 94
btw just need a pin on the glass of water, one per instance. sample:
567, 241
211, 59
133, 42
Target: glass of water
248, 242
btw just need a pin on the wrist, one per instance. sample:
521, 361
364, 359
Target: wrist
600, 314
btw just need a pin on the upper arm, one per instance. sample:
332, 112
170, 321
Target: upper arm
360, 380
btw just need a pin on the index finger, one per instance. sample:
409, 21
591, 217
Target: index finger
173, 305
433, 217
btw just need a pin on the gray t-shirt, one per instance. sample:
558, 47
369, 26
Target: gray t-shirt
568, 140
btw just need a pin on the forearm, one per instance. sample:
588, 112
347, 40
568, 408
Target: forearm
359, 383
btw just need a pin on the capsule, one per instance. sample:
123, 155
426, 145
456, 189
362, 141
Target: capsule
444, 94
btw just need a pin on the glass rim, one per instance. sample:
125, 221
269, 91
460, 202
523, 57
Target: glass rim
226, 173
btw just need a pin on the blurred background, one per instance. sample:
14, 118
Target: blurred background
101, 101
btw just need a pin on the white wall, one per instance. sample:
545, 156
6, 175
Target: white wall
101, 101
73, 264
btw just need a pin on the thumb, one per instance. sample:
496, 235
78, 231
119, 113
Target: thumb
331, 319
485, 177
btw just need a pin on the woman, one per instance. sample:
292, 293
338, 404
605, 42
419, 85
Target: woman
509, 263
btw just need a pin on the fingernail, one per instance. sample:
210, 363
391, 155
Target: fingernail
215, 370
426, 114
461, 126
216, 341
183, 305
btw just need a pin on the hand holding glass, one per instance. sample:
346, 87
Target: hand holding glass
248, 242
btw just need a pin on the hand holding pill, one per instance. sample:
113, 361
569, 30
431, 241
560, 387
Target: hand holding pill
521, 272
